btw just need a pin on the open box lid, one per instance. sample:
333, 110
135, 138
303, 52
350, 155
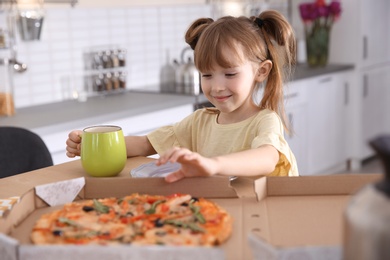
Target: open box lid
302, 217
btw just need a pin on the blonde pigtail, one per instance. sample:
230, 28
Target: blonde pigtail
279, 38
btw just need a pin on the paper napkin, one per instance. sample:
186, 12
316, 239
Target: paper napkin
59, 193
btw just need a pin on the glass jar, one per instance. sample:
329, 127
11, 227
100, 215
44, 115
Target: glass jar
7, 107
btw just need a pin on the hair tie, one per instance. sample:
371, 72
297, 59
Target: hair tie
259, 22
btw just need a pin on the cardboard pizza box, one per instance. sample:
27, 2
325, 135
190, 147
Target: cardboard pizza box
16, 224
274, 217
302, 217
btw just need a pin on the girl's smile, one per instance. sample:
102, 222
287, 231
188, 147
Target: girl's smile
222, 98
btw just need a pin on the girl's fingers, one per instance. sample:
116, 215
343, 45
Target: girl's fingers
172, 155
177, 154
75, 136
70, 155
174, 176
72, 152
73, 144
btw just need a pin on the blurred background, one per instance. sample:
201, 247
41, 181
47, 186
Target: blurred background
52, 51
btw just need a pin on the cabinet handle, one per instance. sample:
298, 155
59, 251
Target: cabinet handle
324, 80
346, 93
365, 49
365, 86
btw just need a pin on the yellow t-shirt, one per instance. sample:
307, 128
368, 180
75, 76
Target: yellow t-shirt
200, 132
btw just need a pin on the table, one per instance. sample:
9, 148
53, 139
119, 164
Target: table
19, 184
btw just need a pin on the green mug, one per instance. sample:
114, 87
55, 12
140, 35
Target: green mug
103, 150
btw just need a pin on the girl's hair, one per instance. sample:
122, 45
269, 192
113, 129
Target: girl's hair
268, 36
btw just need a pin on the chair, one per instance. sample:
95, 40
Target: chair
21, 151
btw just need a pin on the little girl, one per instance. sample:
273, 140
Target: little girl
241, 136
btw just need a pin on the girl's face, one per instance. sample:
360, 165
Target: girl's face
230, 89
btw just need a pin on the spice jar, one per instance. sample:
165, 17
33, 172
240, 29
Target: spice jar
122, 57
122, 80
7, 107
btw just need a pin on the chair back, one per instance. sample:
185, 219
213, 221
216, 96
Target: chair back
21, 150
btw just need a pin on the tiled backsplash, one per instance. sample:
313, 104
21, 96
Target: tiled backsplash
145, 32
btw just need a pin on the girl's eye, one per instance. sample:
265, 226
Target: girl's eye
230, 74
206, 75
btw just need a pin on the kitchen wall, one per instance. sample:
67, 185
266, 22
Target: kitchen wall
145, 32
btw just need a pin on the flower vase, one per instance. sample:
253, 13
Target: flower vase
317, 46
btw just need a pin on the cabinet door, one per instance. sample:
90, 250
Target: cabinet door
327, 131
375, 107
375, 24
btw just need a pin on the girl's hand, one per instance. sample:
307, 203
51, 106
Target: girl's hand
192, 164
73, 143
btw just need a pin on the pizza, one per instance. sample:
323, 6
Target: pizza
140, 219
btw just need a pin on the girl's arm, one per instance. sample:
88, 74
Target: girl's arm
138, 146
135, 145
259, 161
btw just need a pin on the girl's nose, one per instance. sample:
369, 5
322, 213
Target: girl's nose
217, 85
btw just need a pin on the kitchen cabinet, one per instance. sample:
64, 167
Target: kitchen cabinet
317, 109
327, 114
375, 31
375, 95
363, 30
136, 125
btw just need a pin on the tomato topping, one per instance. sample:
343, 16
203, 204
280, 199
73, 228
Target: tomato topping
164, 208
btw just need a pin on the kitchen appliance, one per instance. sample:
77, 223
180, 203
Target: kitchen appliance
30, 24
181, 78
187, 75
367, 217
168, 73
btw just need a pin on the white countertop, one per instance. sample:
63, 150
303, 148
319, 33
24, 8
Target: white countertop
55, 117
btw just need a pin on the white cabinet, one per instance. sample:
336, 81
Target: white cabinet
375, 95
135, 125
361, 35
375, 31
327, 114
317, 109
